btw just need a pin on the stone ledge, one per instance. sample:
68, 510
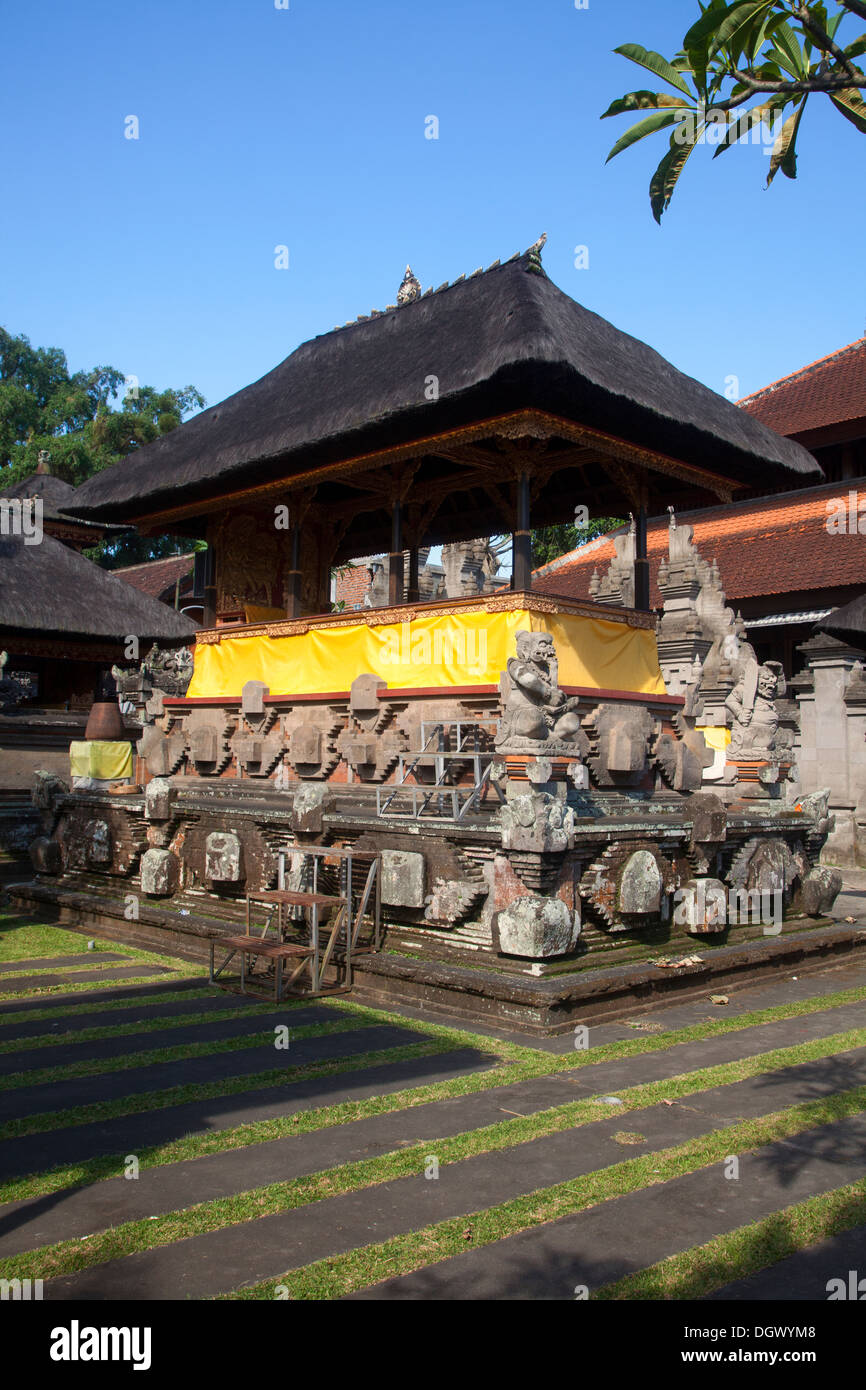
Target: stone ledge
542, 1007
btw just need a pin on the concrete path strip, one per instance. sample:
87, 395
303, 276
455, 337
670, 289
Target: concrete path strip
234, 1256
124, 1134
68, 1025
559, 1260
50, 962
70, 1214
191, 1071
808, 1275
67, 1051
19, 984
16, 1009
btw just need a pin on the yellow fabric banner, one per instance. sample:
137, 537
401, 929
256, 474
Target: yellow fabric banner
445, 650
108, 761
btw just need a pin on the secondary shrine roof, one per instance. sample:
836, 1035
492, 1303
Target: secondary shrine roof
774, 545
50, 589
497, 342
830, 391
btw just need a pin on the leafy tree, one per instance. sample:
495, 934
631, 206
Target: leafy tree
84, 423
742, 65
549, 542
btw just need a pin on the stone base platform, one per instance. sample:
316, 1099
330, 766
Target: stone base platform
487, 993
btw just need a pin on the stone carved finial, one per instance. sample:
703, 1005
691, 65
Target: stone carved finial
43, 464
410, 288
533, 255
537, 716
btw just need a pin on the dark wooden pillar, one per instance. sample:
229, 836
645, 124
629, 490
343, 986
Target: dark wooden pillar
521, 563
641, 564
414, 595
395, 568
293, 585
209, 589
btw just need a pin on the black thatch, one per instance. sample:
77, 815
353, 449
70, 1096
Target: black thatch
500, 341
50, 589
848, 623
56, 496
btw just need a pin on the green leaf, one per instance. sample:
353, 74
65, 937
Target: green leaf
727, 30
654, 62
852, 106
637, 132
664, 180
643, 101
855, 49
784, 154
742, 125
785, 40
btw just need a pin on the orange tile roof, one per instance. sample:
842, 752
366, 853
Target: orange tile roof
774, 545
155, 576
827, 392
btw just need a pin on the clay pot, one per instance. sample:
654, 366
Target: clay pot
106, 722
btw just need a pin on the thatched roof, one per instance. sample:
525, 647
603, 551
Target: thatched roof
56, 496
500, 341
848, 623
50, 589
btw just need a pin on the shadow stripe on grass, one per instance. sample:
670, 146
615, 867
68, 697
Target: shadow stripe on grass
705, 1268
364, 1267
202, 1218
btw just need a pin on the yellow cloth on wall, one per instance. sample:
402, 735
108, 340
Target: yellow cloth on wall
101, 758
715, 737
444, 650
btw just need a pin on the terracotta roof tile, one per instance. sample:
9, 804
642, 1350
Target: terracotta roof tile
774, 545
155, 576
827, 392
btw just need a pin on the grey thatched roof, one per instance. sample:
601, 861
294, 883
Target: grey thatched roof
848, 623
49, 588
500, 341
55, 494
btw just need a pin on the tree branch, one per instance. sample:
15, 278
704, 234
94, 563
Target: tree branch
823, 40
856, 7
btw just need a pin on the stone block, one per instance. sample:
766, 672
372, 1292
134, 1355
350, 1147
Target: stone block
158, 873
223, 857
818, 892
402, 878
157, 800
45, 855
538, 928
253, 697
98, 841
311, 801
640, 886
306, 745
702, 906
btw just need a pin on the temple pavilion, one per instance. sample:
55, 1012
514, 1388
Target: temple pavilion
489, 405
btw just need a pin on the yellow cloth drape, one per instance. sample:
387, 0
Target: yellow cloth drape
108, 760
444, 650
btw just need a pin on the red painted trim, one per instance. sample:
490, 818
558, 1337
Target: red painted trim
406, 692
181, 702
623, 695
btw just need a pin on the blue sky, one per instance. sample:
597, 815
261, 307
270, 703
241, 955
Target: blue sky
305, 127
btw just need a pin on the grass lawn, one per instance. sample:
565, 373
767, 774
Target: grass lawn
22, 939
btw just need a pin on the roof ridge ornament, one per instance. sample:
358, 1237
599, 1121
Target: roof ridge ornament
533, 255
410, 288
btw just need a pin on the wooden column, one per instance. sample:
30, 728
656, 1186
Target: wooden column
293, 583
522, 539
210, 593
395, 568
641, 563
414, 595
